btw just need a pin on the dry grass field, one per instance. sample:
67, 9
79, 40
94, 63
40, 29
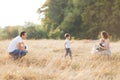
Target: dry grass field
45, 61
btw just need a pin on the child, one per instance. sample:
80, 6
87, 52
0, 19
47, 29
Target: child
101, 44
67, 45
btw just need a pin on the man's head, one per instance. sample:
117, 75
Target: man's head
23, 35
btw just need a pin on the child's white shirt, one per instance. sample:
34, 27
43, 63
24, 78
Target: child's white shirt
67, 43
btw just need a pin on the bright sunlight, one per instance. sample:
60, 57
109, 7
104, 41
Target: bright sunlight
16, 12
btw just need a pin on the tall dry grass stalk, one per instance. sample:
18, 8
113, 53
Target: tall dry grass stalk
45, 61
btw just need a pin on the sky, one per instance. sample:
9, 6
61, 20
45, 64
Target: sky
17, 12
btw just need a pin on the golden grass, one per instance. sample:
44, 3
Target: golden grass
45, 61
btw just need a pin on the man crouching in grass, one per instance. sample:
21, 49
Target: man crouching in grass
17, 48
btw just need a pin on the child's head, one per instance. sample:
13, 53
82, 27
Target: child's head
67, 35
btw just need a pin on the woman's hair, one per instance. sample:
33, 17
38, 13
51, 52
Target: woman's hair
66, 35
105, 34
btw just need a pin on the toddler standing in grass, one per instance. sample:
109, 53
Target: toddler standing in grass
67, 45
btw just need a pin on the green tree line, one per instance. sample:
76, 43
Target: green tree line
83, 19
34, 31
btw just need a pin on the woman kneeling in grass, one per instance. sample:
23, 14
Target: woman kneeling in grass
104, 44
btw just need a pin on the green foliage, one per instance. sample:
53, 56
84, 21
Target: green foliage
57, 34
2, 34
54, 15
83, 19
34, 31
11, 31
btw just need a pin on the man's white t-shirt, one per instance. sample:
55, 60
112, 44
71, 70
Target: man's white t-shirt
67, 43
14, 43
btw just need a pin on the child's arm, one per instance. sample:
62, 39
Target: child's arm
71, 42
65, 44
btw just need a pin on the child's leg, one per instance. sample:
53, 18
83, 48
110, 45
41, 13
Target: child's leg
66, 52
70, 53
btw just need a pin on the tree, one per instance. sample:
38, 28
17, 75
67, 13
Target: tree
83, 19
54, 14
